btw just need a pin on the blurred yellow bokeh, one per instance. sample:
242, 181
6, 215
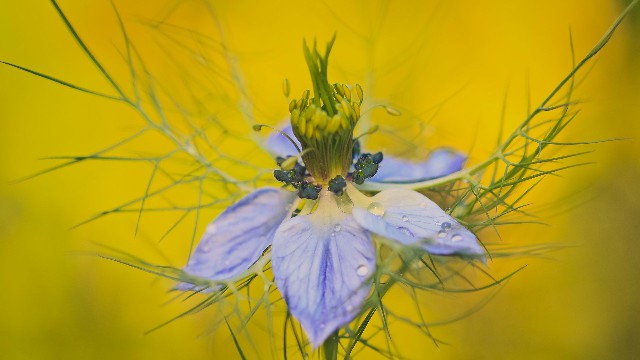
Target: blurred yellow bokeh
463, 58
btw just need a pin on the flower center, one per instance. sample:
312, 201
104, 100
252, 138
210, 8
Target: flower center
324, 126
324, 122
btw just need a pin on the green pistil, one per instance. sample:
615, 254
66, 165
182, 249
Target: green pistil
324, 123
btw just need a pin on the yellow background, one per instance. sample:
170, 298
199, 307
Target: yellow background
58, 303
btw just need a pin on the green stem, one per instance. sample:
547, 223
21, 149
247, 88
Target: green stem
330, 347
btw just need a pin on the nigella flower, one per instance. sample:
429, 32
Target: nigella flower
320, 227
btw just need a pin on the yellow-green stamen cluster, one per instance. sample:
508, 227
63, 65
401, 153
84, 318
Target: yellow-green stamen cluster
324, 123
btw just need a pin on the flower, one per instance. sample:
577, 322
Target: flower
322, 252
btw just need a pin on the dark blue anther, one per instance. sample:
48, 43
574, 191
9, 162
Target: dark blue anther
295, 177
308, 190
366, 167
286, 176
337, 185
377, 158
300, 170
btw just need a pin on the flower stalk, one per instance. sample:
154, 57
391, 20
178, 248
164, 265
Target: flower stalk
330, 347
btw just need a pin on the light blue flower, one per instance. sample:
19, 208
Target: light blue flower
323, 261
321, 236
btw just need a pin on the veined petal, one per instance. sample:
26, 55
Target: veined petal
441, 162
279, 145
412, 219
323, 265
238, 237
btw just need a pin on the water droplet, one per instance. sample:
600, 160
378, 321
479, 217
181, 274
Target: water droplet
337, 228
442, 233
212, 228
206, 247
448, 210
446, 225
333, 235
376, 209
349, 308
456, 238
405, 231
322, 325
362, 270
405, 218
437, 223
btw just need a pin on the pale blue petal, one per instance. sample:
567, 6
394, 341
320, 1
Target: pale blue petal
238, 237
279, 145
323, 265
412, 219
441, 162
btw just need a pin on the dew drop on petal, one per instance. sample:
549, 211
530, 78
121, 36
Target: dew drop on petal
405, 231
447, 210
212, 228
442, 233
456, 238
376, 209
362, 270
446, 225
405, 218
206, 247
337, 228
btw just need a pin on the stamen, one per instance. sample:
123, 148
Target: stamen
366, 167
291, 172
286, 88
288, 177
258, 127
337, 185
295, 176
377, 157
309, 191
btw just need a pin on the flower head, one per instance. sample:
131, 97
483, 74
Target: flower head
322, 250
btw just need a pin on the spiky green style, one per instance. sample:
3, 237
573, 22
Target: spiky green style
324, 121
